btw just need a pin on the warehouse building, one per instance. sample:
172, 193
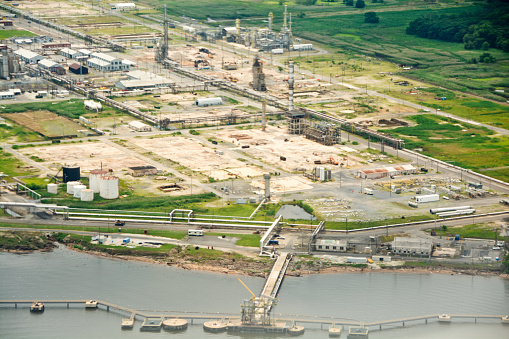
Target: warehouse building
140, 171
377, 173
412, 246
70, 53
143, 84
331, 245
27, 56
139, 126
51, 66
106, 63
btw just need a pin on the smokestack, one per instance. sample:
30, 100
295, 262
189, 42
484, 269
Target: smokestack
290, 85
237, 24
271, 16
290, 24
284, 25
267, 185
264, 116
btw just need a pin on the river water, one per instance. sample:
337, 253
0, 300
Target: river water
64, 274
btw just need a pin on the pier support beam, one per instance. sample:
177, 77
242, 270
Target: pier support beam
107, 308
67, 305
15, 305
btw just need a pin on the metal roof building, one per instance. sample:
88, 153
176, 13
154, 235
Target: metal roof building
376, 173
412, 246
27, 56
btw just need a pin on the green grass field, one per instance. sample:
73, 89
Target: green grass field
11, 166
6, 34
464, 145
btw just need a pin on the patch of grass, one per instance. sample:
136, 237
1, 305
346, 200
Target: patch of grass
6, 34
462, 144
71, 109
477, 231
11, 166
248, 240
17, 133
162, 204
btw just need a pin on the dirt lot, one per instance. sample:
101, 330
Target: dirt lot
198, 157
52, 8
47, 123
274, 143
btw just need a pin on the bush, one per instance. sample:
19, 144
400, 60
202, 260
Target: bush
360, 4
371, 18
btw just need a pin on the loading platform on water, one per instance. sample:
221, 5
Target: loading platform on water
212, 318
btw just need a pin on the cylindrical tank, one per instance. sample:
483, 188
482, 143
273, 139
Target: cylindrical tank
109, 187
70, 186
71, 173
52, 188
87, 194
95, 179
77, 190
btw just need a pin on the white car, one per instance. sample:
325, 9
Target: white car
496, 248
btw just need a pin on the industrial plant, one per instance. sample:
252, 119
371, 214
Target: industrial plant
213, 134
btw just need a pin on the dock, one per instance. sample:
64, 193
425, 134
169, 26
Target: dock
154, 320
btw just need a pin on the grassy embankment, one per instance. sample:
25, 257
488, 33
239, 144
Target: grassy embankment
24, 241
461, 144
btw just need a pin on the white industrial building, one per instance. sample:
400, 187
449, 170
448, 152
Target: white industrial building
70, 53
27, 56
141, 80
412, 246
143, 84
105, 63
303, 47
125, 6
204, 102
6, 95
376, 173
331, 245
51, 66
139, 126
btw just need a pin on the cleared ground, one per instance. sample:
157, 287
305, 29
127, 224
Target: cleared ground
273, 143
199, 157
47, 123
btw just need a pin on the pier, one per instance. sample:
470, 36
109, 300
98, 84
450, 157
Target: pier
160, 316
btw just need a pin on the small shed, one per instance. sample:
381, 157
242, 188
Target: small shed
140, 171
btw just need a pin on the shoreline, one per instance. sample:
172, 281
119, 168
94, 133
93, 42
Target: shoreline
297, 272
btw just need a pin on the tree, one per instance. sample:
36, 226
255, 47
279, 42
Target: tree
360, 4
349, 2
371, 18
485, 46
487, 58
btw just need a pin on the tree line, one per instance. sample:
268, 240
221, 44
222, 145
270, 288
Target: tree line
482, 29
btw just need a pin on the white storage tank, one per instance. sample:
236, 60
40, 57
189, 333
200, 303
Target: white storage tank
109, 187
87, 194
77, 190
95, 179
70, 186
53, 188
